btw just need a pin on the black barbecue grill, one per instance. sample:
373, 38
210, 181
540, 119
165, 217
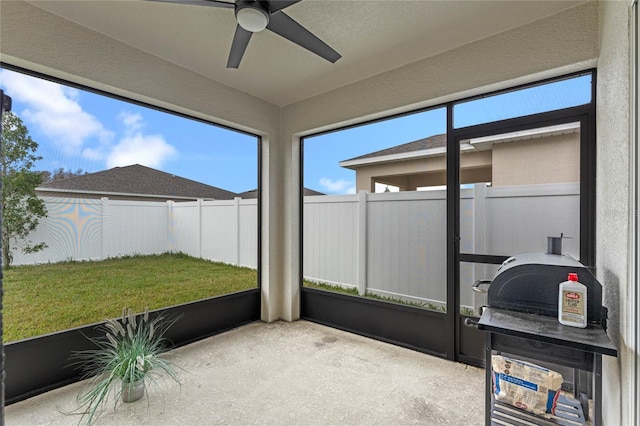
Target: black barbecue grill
521, 319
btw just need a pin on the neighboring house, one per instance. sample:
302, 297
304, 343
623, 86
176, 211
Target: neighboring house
254, 193
544, 155
133, 182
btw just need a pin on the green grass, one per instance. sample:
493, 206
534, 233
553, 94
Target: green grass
330, 287
354, 292
42, 299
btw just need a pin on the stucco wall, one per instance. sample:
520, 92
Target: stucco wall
547, 47
401, 170
612, 220
549, 160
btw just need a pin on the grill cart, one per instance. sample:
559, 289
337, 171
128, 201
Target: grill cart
521, 320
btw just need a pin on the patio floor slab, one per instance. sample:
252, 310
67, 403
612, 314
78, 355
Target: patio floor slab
283, 373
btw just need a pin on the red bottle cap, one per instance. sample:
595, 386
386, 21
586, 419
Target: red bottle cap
573, 276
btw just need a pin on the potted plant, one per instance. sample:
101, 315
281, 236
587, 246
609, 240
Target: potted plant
126, 360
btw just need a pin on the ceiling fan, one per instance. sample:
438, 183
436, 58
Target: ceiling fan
254, 16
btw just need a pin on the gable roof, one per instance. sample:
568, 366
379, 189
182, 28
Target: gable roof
432, 144
138, 180
437, 145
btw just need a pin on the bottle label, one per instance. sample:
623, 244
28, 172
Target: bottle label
572, 306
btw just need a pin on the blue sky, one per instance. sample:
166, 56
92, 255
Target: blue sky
329, 149
323, 153
80, 130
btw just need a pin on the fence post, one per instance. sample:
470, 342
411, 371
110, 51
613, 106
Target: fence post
170, 227
479, 226
480, 223
362, 242
105, 203
236, 204
199, 204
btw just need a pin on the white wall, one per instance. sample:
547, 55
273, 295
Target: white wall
634, 248
612, 207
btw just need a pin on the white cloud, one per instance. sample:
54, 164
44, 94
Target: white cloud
148, 150
339, 186
55, 111
132, 121
93, 154
136, 147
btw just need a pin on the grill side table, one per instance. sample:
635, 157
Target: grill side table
543, 338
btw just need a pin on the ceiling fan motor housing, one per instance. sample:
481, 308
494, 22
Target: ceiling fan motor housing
252, 15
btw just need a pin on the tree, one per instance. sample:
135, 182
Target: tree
60, 174
21, 207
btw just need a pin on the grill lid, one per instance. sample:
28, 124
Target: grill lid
529, 283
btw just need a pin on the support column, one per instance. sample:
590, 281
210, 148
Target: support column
276, 233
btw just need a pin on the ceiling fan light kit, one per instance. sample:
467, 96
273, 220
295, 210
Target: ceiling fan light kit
254, 16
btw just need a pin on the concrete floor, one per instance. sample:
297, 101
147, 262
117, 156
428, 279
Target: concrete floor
283, 373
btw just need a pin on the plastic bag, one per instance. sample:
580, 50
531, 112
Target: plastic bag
526, 386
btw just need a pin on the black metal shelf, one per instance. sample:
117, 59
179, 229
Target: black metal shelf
568, 413
546, 329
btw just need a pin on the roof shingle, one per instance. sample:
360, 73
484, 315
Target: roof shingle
435, 141
137, 179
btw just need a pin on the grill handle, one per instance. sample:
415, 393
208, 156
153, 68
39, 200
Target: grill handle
469, 322
476, 286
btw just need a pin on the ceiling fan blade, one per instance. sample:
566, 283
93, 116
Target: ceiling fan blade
210, 3
277, 5
240, 41
287, 27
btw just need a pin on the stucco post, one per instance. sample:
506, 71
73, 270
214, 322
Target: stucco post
612, 209
280, 222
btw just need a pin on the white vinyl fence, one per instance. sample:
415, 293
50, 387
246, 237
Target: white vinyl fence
392, 244
89, 229
223, 231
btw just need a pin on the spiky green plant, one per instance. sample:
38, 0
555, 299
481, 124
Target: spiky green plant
130, 351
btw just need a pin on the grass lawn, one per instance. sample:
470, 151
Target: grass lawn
42, 299
354, 292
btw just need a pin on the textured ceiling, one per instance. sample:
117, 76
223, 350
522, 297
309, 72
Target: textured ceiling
372, 36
